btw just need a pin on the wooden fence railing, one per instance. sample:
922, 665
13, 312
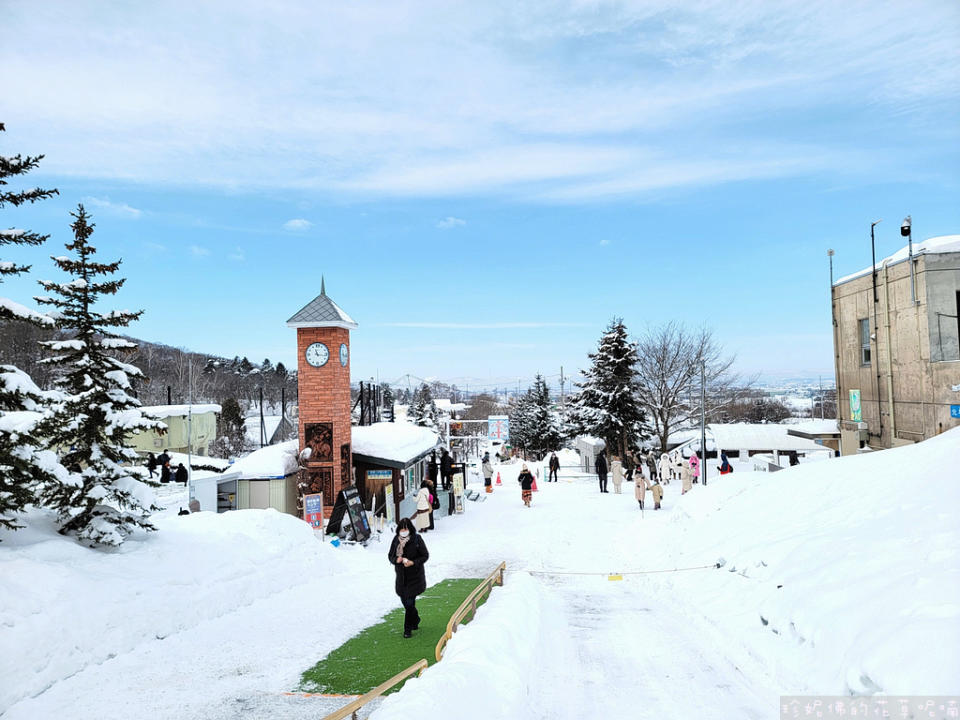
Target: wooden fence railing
353, 708
467, 606
470, 606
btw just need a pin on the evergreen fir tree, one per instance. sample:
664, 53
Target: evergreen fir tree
607, 404
521, 415
106, 499
23, 464
231, 433
423, 410
545, 426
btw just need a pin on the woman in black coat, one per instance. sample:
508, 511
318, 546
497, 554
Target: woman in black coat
526, 485
407, 554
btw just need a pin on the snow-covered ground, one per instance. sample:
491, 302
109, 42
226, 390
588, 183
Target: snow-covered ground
838, 577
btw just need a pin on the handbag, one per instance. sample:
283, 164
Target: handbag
436, 503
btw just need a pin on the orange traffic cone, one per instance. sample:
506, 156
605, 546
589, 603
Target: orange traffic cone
498, 479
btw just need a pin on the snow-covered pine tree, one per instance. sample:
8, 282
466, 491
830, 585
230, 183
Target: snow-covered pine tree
23, 465
545, 426
423, 410
607, 405
521, 415
91, 423
231, 439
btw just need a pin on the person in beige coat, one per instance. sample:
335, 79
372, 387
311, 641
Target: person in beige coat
639, 488
665, 469
686, 478
657, 492
616, 468
422, 519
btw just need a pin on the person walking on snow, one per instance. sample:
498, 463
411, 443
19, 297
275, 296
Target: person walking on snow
526, 485
640, 487
616, 469
446, 469
695, 468
151, 464
686, 478
629, 463
422, 517
601, 465
657, 492
725, 466
487, 468
554, 467
665, 470
407, 554
651, 465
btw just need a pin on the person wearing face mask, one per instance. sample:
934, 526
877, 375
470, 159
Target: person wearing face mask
407, 554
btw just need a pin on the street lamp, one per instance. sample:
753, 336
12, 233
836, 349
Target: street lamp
906, 231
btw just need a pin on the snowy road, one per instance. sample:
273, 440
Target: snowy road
636, 657
623, 649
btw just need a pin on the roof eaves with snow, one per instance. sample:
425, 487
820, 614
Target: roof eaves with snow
930, 246
395, 445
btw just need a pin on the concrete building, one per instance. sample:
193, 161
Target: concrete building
199, 422
895, 339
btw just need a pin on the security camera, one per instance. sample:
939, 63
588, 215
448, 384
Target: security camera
905, 227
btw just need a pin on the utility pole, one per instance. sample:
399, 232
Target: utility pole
562, 404
703, 419
821, 397
190, 490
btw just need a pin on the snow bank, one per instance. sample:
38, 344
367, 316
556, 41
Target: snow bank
488, 664
64, 607
397, 441
853, 562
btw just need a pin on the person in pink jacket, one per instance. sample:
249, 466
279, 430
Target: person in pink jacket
695, 467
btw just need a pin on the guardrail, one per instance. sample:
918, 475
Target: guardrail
353, 708
470, 605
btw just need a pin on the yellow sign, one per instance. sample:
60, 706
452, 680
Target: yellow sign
614, 577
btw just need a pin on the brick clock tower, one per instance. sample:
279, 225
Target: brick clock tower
323, 392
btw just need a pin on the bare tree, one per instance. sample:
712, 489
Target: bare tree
669, 364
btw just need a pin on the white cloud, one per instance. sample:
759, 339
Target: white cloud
198, 251
448, 223
297, 225
237, 255
113, 208
604, 242
561, 101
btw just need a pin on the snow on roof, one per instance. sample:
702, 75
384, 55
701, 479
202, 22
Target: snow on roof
940, 244
397, 441
273, 461
815, 427
448, 405
755, 436
322, 311
162, 411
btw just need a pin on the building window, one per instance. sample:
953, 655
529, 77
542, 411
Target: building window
864, 341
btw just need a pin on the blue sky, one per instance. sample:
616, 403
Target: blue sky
484, 185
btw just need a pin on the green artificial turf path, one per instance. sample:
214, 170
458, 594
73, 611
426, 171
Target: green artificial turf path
380, 652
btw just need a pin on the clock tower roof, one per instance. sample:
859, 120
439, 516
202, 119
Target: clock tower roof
321, 312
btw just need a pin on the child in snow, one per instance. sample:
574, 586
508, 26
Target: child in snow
526, 485
616, 468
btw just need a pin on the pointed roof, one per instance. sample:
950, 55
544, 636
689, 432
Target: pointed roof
321, 312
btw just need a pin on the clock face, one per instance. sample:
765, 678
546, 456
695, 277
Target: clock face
317, 354
344, 354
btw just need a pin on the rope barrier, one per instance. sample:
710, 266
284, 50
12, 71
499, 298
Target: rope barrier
606, 574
